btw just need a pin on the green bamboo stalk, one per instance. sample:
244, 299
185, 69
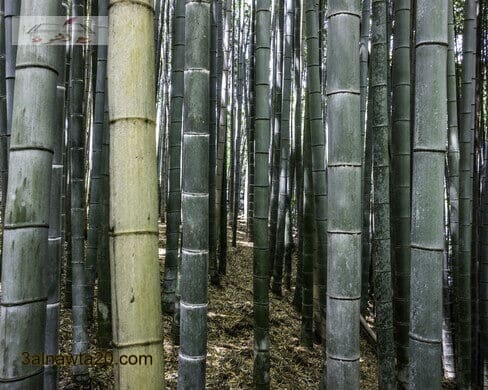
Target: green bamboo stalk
136, 297
309, 238
66, 192
173, 206
104, 323
466, 161
452, 171
221, 175
261, 264
400, 175
238, 128
3, 117
381, 250
285, 148
297, 296
363, 61
427, 227
25, 239
366, 132
55, 250
318, 148
12, 9
250, 137
195, 188
276, 141
104, 304
484, 274
344, 196
76, 129
95, 196
214, 124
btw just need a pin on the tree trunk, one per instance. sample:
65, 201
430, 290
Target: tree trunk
381, 250
427, 227
195, 188
134, 213
285, 148
318, 147
77, 134
400, 175
466, 161
261, 267
344, 196
25, 239
453, 183
173, 206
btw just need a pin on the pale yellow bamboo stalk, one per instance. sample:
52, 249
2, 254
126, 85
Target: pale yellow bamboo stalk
136, 298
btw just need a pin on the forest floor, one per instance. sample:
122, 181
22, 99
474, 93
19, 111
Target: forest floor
230, 337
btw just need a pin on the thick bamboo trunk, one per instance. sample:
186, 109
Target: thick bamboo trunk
136, 297
344, 196
25, 239
427, 228
195, 189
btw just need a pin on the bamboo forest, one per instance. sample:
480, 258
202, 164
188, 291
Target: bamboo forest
244, 194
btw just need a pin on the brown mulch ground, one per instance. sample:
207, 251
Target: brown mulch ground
230, 324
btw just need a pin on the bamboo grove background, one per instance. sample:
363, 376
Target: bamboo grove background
347, 138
